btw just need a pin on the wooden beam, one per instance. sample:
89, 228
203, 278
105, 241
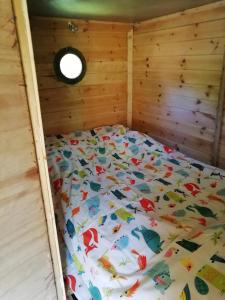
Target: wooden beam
26, 49
38, 22
219, 118
129, 78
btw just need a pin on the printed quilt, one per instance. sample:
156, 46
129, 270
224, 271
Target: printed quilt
136, 219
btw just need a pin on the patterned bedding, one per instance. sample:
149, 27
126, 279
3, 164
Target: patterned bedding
136, 218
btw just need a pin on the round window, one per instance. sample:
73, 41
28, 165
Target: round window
70, 65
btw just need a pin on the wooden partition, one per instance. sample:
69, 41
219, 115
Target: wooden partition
101, 97
222, 143
177, 72
26, 270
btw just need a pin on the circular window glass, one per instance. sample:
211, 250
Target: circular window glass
70, 65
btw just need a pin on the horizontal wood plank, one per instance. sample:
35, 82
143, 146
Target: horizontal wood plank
205, 13
191, 77
84, 25
179, 62
197, 31
177, 71
104, 87
213, 46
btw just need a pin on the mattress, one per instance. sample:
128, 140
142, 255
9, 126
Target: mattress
136, 219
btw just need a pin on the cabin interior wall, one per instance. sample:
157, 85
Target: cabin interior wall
101, 97
177, 66
26, 266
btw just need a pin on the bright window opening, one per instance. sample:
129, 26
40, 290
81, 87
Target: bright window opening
71, 66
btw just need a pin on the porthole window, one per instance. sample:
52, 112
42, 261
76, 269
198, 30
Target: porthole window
70, 65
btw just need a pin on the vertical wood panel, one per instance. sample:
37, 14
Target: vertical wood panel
101, 97
222, 142
219, 118
177, 72
26, 50
26, 270
130, 78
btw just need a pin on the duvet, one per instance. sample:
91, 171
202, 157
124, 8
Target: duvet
136, 219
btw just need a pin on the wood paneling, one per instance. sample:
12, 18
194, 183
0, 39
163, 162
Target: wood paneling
219, 119
101, 97
177, 71
201, 14
26, 268
130, 77
222, 143
27, 57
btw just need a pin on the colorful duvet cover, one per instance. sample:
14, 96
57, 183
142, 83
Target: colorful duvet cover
137, 219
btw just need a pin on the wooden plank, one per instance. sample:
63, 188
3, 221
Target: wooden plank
81, 91
129, 78
94, 67
26, 268
185, 129
90, 79
199, 47
81, 41
84, 25
85, 45
183, 77
176, 139
67, 124
198, 62
76, 113
199, 92
205, 13
83, 104
90, 55
105, 48
177, 71
221, 160
168, 101
7, 53
24, 34
178, 114
65, 34
197, 31
219, 117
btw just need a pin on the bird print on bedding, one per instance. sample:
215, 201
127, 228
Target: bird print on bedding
135, 218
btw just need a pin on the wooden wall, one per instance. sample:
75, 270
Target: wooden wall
177, 69
25, 262
101, 98
222, 143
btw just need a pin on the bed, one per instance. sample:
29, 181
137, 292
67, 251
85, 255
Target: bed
136, 219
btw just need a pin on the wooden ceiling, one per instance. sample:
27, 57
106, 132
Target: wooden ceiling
111, 10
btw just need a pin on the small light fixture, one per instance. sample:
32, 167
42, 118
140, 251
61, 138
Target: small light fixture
72, 27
